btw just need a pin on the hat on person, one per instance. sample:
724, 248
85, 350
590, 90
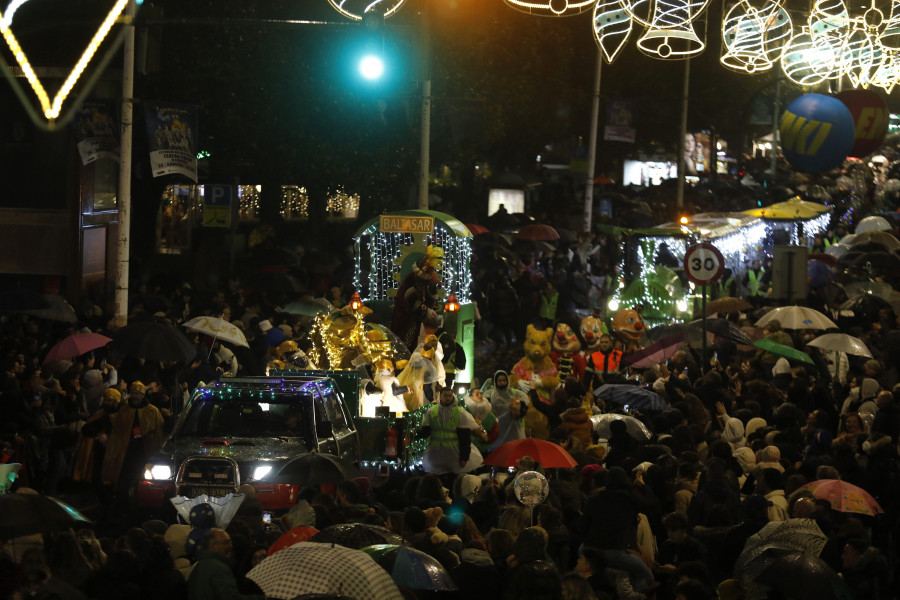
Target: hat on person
469, 486
734, 431
112, 394
265, 325
746, 458
137, 387
754, 424
782, 367
286, 329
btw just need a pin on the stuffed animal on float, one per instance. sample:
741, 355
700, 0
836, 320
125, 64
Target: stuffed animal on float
416, 373
592, 327
566, 350
391, 392
629, 326
416, 294
536, 371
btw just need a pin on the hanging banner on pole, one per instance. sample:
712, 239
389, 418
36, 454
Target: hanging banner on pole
97, 131
172, 138
619, 121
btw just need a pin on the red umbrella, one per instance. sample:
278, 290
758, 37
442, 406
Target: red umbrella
550, 455
293, 536
537, 233
476, 229
656, 353
76, 345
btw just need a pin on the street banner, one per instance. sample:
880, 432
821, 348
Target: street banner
172, 138
619, 121
97, 131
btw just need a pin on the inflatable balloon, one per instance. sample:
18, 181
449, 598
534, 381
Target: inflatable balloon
816, 133
531, 488
870, 120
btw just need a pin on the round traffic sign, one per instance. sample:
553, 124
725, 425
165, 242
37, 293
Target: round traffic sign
703, 263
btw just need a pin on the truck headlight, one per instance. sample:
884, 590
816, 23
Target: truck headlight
158, 472
261, 471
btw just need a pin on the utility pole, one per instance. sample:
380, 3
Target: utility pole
123, 198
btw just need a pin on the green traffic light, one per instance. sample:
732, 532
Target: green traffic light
371, 67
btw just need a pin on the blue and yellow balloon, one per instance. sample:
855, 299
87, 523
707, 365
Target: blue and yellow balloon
817, 133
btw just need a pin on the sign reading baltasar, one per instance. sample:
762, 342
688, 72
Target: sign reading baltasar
406, 224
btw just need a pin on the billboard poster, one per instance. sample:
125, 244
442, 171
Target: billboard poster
619, 121
697, 159
97, 131
172, 138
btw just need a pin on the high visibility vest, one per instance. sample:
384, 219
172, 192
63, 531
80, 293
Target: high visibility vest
547, 308
753, 281
443, 434
724, 287
606, 363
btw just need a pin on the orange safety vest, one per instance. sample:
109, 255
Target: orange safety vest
606, 363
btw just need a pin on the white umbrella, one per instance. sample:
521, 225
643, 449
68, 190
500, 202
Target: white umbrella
219, 329
797, 317
224, 507
873, 224
837, 250
634, 427
842, 343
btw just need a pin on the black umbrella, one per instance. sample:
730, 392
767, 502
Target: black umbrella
315, 468
26, 514
800, 575
693, 331
356, 535
887, 261
865, 308
154, 340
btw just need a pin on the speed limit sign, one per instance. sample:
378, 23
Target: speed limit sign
703, 263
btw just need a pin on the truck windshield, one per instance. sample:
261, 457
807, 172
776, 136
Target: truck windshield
248, 415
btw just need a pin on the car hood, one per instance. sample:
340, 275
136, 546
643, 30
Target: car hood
241, 450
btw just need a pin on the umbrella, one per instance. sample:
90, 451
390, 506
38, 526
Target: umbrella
307, 308
490, 239
885, 261
356, 535
26, 514
475, 229
631, 396
881, 238
722, 328
727, 304
828, 259
842, 343
550, 455
875, 288
866, 307
18, 300
308, 567
797, 317
604, 180
655, 353
224, 507
219, 329
537, 232
782, 350
818, 273
802, 535
800, 575
76, 345
58, 309
291, 537
153, 340
411, 568
873, 223
315, 468
844, 497
635, 427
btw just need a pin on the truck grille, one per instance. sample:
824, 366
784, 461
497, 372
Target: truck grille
211, 476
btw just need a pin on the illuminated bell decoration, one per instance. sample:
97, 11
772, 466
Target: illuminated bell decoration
677, 42
890, 35
860, 56
888, 73
754, 38
870, 120
807, 60
355, 302
551, 8
451, 305
355, 9
612, 27
816, 133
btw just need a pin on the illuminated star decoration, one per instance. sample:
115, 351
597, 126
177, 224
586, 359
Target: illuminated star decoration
52, 108
355, 9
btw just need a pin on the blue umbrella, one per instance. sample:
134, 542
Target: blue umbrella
631, 396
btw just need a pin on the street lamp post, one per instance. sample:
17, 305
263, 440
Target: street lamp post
123, 198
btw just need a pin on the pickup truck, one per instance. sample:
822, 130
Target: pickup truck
249, 431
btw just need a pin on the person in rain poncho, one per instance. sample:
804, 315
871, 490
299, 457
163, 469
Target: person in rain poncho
509, 406
448, 428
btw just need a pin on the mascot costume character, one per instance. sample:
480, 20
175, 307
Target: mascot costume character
629, 326
536, 371
417, 294
566, 350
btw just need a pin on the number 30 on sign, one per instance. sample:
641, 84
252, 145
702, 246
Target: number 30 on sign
703, 263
